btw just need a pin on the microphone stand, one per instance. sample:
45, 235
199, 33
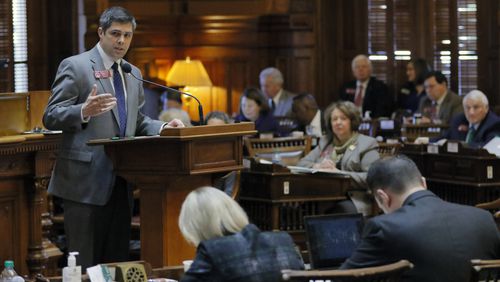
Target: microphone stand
128, 69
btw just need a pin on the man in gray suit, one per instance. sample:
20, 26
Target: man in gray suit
93, 99
441, 104
280, 100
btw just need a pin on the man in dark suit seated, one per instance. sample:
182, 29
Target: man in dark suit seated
477, 125
306, 111
366, 92
438, 237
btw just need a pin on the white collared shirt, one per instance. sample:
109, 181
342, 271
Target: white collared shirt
276, 98
108, 63
440, 101
475, 125
365, 84
314, 128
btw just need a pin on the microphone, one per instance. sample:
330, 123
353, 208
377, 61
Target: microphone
127, 68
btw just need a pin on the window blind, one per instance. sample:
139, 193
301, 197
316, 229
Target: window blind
20, 42
5, 46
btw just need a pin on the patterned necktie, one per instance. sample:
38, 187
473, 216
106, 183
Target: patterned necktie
358, 99
470, 135
120, 99
434, 111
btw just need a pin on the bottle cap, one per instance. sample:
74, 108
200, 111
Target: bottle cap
72, 258
9, 263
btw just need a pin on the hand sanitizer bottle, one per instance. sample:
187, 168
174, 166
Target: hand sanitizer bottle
72, 273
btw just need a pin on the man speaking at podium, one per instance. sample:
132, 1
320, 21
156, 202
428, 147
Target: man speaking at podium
93, 99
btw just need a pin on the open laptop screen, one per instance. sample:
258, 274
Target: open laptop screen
331, 239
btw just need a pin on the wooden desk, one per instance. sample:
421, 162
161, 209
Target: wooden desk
166, 168
26, 163
465, 175
413, 131
280, 200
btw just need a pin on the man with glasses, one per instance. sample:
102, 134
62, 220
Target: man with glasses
441, 104
92, 98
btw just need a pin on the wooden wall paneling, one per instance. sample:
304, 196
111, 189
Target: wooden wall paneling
328, 34
38, 64
424, 35
14, 222
231, 7
341, 34
488, 49
9, 210
240, 43
238, 81
355, 39
218, 94
37, 102
302, 74
51, 39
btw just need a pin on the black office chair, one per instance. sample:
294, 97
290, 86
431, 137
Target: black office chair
230, 183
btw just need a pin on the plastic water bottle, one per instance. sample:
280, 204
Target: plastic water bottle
9, 274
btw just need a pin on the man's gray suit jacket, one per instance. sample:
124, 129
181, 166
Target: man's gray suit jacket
450, 107
84, 173
284, 107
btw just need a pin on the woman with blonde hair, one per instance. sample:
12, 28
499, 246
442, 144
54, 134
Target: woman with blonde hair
343, 149
229, 248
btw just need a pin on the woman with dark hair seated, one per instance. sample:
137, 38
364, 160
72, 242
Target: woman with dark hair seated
412, 91
229, 248
345, 150
254, 107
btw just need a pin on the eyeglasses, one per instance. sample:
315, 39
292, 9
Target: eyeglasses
118, 34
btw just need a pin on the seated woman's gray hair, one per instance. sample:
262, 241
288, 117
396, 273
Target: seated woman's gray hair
217, 115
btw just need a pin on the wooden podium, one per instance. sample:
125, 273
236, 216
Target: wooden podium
166, 168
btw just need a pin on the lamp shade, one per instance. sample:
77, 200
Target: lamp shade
188, 73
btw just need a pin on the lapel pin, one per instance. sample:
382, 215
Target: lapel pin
102, 74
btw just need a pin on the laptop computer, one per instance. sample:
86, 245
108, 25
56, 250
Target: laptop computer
331, 239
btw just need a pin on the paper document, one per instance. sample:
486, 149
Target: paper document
300, 169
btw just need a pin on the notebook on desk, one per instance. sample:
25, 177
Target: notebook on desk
331, 239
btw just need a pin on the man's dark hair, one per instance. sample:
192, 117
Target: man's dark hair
396, 173
175, 96
253, 93
439, 76
306, 99
116, 14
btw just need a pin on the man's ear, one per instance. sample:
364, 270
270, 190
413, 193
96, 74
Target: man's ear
424, 183
100, 31
383, 198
